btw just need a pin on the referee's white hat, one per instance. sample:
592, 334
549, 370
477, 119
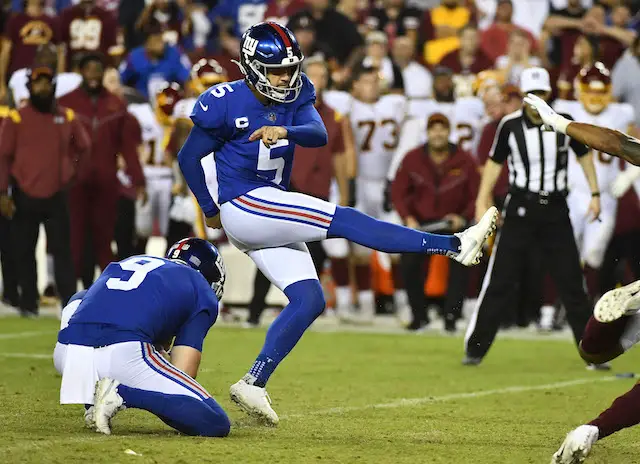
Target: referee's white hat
533, 79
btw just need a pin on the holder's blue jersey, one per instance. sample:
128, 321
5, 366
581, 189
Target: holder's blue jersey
224, 117
146, 299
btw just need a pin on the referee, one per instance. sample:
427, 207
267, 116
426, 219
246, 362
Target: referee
535, 214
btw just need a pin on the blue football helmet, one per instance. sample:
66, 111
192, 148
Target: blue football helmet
267, 46
202, 256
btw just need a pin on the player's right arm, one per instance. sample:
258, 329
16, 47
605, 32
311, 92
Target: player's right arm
187, 348
206, 136
606, 140
609, 141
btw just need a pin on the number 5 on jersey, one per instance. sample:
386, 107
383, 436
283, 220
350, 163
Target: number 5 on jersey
267, 163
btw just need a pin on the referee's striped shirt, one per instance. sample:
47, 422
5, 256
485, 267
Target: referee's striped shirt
537, 158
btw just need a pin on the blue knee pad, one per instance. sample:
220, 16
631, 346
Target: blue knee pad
308, 296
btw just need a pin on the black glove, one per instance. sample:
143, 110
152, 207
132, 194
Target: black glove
386, 201
352, 193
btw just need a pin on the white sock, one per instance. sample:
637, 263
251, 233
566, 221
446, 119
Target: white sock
400, 298
343, 299
367, 303
546, 316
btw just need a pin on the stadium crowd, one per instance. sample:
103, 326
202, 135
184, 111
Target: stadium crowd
412, 92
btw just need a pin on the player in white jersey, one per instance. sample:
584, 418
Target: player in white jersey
376, 122
466, 115
595, 107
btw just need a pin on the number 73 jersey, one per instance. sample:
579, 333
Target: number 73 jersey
376, 128
230, 113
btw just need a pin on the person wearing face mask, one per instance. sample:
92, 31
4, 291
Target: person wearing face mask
35, 175
93, 201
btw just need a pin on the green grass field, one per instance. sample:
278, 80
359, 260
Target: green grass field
342, 397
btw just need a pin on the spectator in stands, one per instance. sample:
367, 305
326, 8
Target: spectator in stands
584, 54
434, 187
395, 18
443, 87
43, 167
46, 55
87, 28
166, 16
624, 78
280, 11
93, 202
613, 39
150, 66
562, 29
417, 79
23, 33
51, 7
495, 39
467, 61
303, 27
518, 57
335, 30
440, 28
376, 56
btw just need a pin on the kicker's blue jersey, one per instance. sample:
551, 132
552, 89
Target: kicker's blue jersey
146, 299
229, 113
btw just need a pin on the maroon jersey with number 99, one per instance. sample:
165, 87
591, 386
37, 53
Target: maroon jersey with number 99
85, 30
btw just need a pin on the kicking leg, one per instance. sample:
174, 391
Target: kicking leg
291, 270
315, 219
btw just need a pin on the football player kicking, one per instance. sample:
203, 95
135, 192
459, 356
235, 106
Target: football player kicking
615, 325
113, 336
252, 126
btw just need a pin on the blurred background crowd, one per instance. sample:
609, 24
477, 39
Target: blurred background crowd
125, 74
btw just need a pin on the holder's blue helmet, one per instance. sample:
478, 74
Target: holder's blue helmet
202, 256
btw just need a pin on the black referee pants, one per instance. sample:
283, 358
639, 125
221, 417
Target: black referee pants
30, 213
529, 224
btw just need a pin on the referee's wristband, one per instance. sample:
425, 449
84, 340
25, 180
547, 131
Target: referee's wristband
595, 194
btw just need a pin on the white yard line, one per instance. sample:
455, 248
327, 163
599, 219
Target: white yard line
404, 402
26, 355
399, 403
9, 336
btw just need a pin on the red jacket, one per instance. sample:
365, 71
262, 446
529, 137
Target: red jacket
43, 152
452, 61
313, 167
429, 192
484, 147
111, 132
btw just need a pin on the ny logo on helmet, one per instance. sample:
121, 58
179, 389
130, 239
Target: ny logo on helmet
250, 46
